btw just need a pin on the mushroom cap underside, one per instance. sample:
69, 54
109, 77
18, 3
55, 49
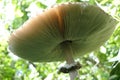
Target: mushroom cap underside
42, 38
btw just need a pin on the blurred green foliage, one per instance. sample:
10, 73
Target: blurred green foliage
96, 65
115, 73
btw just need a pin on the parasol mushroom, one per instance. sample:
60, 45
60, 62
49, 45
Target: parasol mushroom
63, 32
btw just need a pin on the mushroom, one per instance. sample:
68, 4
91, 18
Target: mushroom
62, 32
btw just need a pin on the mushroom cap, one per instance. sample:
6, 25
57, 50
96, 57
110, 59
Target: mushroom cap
42, 38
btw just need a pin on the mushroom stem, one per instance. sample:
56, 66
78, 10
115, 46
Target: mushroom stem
70, 60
